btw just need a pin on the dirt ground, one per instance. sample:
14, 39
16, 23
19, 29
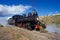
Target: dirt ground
14, 33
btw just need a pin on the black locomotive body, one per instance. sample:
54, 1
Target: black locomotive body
28, 22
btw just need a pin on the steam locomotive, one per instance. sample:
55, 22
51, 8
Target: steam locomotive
24, 21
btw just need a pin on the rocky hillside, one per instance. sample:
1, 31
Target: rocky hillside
14, 33
50, 19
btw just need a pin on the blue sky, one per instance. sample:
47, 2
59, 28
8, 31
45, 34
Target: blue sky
43, 7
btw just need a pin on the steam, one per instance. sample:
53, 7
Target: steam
53, 28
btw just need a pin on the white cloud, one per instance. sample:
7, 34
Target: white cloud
54, 13
14, 9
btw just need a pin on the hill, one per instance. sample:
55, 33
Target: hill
50, 19
14, 33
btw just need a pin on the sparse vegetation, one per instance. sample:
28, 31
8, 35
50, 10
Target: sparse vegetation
14, 33
49, 19
1, 25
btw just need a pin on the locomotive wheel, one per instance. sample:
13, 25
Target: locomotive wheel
28, 26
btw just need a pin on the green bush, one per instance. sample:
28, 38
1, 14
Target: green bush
1, 25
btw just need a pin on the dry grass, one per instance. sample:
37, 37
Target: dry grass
49, 19
14, 33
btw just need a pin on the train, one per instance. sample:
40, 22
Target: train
29, 21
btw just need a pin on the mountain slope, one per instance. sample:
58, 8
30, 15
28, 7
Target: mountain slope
14, 33
50, 19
